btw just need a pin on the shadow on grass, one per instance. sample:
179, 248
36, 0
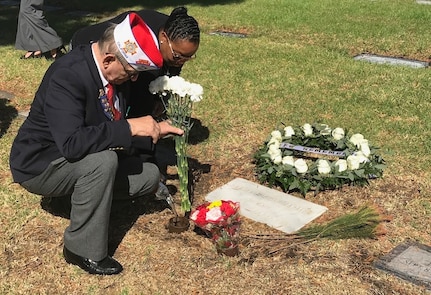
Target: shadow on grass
198, 133
7, 112
165, 154
108, 6
124, 214
69, 16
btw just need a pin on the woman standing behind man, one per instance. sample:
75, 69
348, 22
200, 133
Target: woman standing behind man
178, 35
34, 33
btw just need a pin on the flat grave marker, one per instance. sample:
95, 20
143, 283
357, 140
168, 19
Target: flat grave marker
228, 34
279, 210
380, 59
423, 2
409, 261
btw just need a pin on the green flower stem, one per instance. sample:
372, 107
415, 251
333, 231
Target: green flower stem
183, 171
179, 112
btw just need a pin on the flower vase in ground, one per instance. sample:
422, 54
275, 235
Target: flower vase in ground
226, 239
220, 220
178, 97
178, 224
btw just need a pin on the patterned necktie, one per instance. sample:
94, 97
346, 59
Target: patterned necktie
110, 96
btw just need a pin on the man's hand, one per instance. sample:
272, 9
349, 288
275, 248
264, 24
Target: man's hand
166, 129
147, 126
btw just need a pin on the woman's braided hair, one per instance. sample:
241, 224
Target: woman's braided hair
181, 26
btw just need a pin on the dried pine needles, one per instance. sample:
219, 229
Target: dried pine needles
362, 224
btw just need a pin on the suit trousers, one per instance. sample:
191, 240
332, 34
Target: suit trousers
91, 182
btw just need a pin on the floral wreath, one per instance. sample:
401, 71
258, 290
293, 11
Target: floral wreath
316, 157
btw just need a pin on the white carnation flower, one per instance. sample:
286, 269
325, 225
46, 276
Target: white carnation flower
214, 214
177, 85
196, 92
159, 85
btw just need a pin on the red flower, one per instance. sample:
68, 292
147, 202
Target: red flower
229, 213
201, 217
228, 208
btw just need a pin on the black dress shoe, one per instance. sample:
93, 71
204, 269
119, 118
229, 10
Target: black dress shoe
107, 266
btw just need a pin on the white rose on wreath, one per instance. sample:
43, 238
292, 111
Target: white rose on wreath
326, 130
356, 139
277, 159
361, 157
308, 130
365, 148
301, 166
288, 131
341, 165
288, 160
338, 133
323, 167
353, 162
276, 135
275, 153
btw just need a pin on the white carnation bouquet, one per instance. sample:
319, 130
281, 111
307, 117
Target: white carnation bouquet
178, 96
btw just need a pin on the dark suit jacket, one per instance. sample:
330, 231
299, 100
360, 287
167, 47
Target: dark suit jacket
142, 101
67, 119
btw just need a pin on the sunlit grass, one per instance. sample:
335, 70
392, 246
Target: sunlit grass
295, 66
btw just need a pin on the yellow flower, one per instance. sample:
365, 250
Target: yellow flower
214, 204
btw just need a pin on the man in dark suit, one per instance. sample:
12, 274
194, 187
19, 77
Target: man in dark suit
178, 35
78, 140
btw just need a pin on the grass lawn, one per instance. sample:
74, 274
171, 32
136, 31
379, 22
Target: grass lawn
295, 66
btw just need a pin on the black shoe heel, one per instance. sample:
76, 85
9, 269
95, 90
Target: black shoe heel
59, 52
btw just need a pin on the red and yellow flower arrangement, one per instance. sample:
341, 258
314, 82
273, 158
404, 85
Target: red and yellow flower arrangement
221, 221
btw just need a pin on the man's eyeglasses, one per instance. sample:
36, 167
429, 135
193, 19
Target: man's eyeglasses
179, 56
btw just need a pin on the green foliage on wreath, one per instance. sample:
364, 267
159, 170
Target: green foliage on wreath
278, 166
